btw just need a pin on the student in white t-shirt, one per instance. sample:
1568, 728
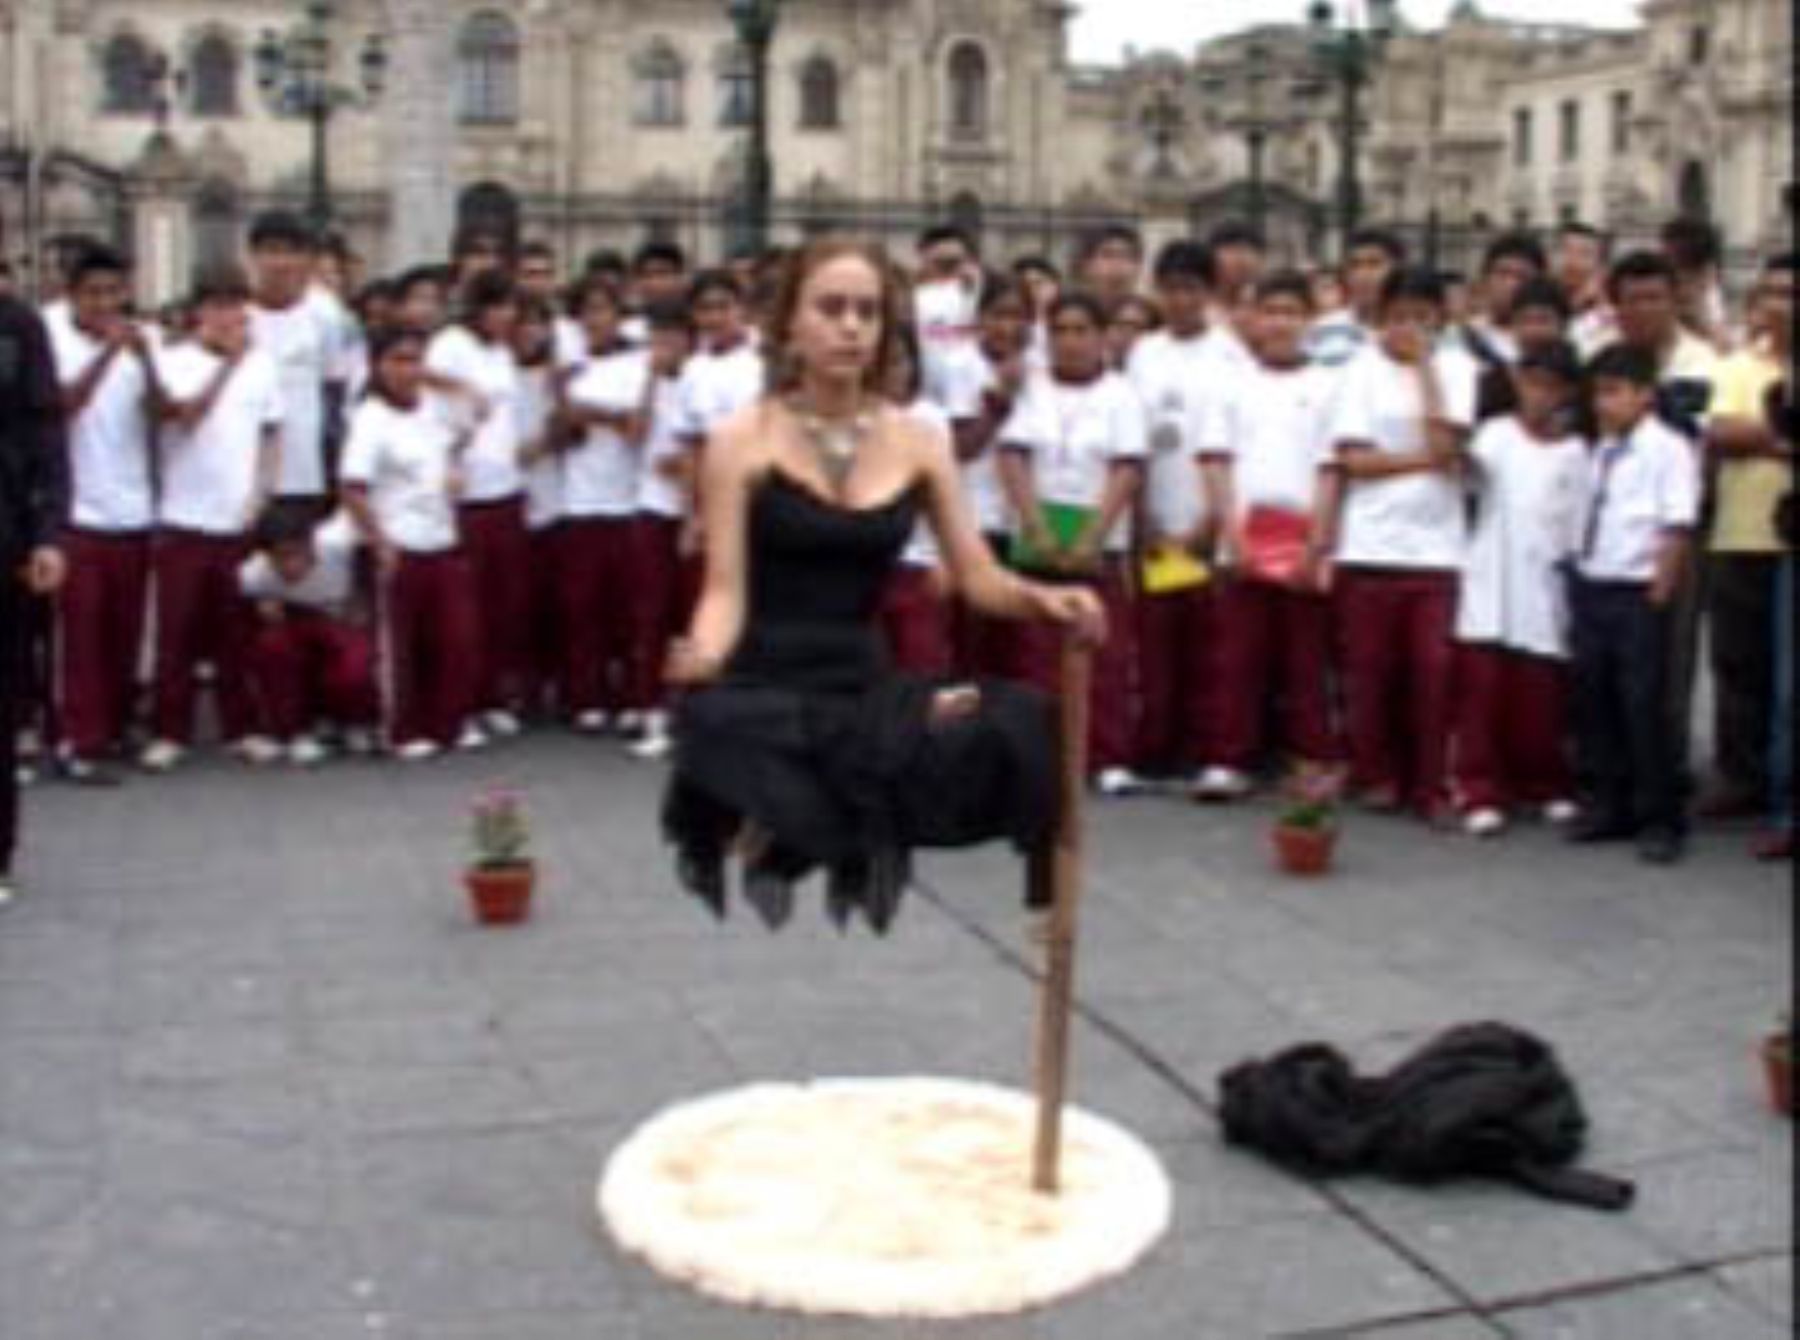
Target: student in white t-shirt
304, 342
1266, 449
600, 495
313, 658
726, 370
105, 368
1402, 421
538, 407
915, 608
977, 386
1640, 505
1176, 372
1512, 622
1072, 461
220, 450
400, 483
1370, 257
662, 580
471, 368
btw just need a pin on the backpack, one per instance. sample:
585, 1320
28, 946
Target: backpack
1480, 1100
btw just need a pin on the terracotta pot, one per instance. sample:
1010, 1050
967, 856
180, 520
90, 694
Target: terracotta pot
1778, 1069
501, 895
1303, 851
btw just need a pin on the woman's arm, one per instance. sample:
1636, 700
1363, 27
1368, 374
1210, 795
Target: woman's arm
986, 585
727, 468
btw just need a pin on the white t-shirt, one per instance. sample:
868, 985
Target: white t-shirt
1273, 426
109, 441
922, 549
658, 494
209, 474
1527, 526
1414, 520
491, 471
569, 346
1634, 490
403, 457
944, 313
962, 378
1336, 338
714, 386
600, 473
1075, 435
326, 588
544, 476
305, 344
1176, 379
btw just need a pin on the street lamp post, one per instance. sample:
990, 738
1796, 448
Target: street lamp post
294, 69
755, 21
1348, 51
1256, 129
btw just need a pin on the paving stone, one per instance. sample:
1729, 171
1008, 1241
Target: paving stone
1707, 1207
1767, 1283
1497, 1243
1679, 1310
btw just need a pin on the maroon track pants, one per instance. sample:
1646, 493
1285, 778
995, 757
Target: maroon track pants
100, 613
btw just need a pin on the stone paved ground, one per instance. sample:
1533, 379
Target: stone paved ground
261, 1080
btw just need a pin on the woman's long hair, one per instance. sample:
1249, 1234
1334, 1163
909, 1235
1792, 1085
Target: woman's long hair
784, 363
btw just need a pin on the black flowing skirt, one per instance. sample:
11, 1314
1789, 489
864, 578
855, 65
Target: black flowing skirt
851, 780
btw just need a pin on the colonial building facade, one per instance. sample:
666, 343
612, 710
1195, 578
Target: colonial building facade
596, 123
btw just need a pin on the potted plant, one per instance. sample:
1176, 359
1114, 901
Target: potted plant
501, 876
1778, 1066
1305, 831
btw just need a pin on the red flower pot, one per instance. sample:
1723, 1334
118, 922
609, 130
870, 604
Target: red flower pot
1778, 1070
1303, 851
500, 895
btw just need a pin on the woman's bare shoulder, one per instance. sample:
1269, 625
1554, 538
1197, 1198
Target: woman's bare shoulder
744, 442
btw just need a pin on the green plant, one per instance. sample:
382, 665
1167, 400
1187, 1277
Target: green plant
1310, 799
498, 830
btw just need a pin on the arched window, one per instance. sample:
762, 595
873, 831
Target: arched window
737, 88
659, 87
131, 73
969, 92
819, 95
213, 76
487, 62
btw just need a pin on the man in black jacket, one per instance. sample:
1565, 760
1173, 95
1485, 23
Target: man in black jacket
34, 488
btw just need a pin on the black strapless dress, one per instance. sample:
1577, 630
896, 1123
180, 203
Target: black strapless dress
811, 753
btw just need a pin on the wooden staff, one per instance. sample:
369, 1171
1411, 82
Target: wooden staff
1057, 992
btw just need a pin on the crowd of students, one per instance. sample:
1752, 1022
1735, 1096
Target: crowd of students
1460, 541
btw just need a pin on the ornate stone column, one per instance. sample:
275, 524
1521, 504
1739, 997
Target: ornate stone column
420, 149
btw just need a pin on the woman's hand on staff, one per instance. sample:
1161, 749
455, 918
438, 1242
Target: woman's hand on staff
1076, 608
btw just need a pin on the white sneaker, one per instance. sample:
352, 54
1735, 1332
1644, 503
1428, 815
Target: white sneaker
630, 723
306, 752
1118, 782
656, 743
8, 891
501, 724
256, 750
417, 751
359, 741
1562, 812
1484, 822
592, 723
471, 739
161, 756
1221, 784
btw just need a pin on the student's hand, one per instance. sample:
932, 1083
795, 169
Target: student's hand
45, 570
1661, 593
1319, 574
1074, 607
938, 583
1009, 376
691, 541
387, 557
1040, 537
454, 482
1084, 555
272, 611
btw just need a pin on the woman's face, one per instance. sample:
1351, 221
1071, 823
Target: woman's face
1077, 346
837, 323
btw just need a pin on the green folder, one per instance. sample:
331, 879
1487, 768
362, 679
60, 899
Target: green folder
1066, 522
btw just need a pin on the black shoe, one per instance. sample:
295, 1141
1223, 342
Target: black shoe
1601, 828
1660, 846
